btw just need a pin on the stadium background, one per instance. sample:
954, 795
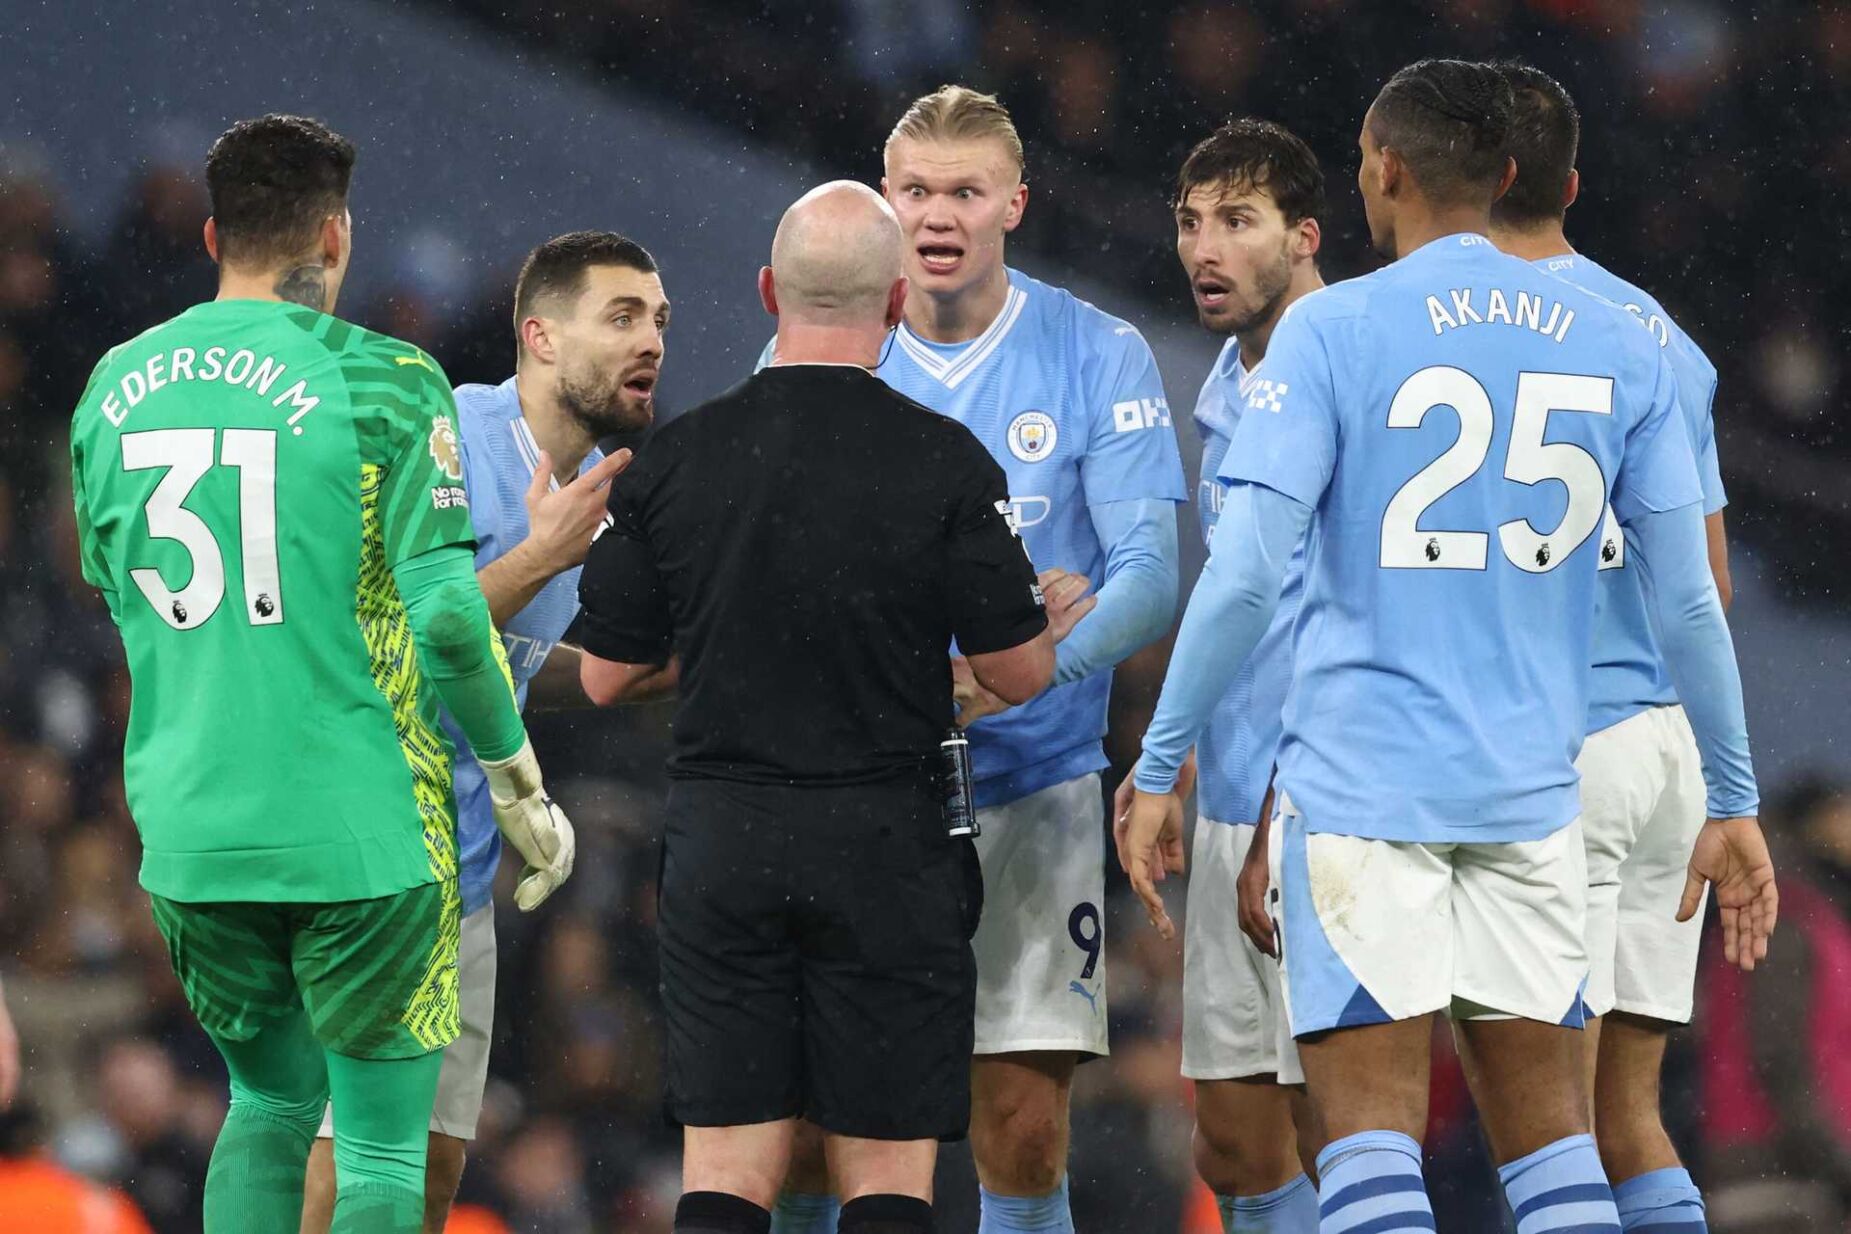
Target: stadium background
1716, 170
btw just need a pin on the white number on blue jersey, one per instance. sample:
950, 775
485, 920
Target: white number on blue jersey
1404, 545
1530, 460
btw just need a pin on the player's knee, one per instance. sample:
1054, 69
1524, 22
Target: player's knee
1023, 1149
1248, 1158
1629, 1133
302, 1112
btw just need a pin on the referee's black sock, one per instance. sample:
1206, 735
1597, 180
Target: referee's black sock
886, 1214
716, 1212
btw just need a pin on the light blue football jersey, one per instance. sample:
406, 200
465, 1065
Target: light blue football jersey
499, 457
1234, 755
1458, 422
1068, 400
1629, 669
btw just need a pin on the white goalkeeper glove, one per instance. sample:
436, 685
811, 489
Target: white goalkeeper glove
538, 829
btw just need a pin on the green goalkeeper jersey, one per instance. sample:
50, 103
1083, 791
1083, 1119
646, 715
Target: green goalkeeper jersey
246, 476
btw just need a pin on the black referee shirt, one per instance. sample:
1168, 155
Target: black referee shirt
809, 543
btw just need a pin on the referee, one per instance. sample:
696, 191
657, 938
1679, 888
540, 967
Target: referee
809, 544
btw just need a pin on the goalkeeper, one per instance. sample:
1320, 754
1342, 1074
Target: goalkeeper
271, 501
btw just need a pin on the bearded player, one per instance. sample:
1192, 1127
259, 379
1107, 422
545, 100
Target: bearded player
589, 318
1248, 200
1451, 430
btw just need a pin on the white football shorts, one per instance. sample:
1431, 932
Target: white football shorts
1040, 945
1642, 805
1382, 930
1234, 1017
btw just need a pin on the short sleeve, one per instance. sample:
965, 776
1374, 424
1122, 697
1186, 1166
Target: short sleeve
1287, 435
626, 615
1657, 470
1131, 450
995, 604
422, 502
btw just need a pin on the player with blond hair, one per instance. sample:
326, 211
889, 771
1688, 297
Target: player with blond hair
1068, 400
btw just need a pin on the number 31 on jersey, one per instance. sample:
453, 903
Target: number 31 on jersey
186, 453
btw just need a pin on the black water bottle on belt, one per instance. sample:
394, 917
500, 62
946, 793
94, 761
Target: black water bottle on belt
955, 779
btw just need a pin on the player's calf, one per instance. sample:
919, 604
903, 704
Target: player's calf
1019, 1136
1019, 1122
1651, 1187
1368, 1088
1527, 1079
445, 1156
1246, 1150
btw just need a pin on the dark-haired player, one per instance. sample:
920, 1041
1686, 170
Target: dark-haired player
272, 503
1450, 429
1641, 778
1248, 199
589, 318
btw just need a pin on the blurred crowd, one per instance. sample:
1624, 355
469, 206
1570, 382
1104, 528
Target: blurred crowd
1705, 176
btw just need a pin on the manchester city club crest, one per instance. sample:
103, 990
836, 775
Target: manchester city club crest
1032, 436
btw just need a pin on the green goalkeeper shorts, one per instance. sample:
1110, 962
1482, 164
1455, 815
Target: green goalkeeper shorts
377, 977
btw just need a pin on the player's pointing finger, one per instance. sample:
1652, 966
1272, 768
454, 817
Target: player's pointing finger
609, 468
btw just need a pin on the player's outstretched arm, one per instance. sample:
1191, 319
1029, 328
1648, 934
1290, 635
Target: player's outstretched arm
608, 683
450, 626
1233, 603
1228, 613
1730, 854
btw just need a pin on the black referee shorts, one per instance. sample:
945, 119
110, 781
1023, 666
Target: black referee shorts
816, 959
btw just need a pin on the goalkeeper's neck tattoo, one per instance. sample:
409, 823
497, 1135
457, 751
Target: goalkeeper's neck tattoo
304, 285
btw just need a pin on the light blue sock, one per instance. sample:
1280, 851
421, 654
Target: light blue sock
1006, 1214
1560, 1188
1661, 1202
1292, 1209
1371, 1181
799, 1213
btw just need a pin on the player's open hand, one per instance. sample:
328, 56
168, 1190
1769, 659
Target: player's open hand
562, 521
1253, 883
1150, 845
1121, 800
974, 702
1066, 599
1731, 855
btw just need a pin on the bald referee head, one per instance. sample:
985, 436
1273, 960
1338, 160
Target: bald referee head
834, 282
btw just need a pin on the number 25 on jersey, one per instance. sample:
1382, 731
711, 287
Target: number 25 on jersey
1530, 460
